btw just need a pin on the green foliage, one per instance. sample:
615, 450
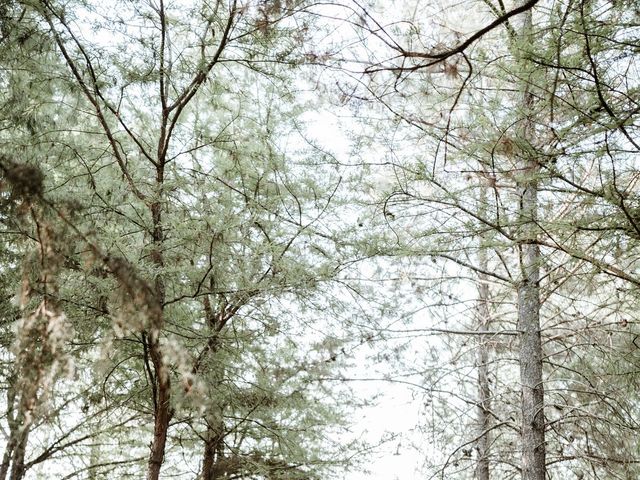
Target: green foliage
183, 235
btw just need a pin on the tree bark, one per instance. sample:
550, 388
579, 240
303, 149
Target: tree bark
162, 387
533, 422
12, 466
482, 362
213, 450
530, 355
94, 460
10, 446
213, 453
162, 412
17, 464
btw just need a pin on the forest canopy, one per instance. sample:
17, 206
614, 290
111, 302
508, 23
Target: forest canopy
234, 230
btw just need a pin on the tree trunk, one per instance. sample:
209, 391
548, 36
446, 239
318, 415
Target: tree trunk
162, 390
162, 413
530, 358
11, 443
213, 453
12, 466
482, 360
17, 468
95, 459
213, 450
533, 422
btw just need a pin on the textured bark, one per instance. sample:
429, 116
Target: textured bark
209, 458
162, 413
533, 422
6, 457
482, 364
162, 387
12, 466
213, 456
13, 458
17, 462
213, 450
530, 356
95, 461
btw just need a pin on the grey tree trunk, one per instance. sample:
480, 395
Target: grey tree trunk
533, 422
530, 357
482, 362
94, 459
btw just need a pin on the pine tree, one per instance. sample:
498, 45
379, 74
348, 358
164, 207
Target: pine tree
183, 230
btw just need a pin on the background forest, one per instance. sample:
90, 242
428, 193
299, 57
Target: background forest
233, 231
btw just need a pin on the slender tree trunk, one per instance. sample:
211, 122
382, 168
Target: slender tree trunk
17, 464
162, 387
6, 459
208, 456
533, 421
13, 458
213, 453
8, 449
12, 466
213, 450
482, 359
94, 459
162, 414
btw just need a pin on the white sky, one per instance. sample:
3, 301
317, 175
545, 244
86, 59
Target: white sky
396, 412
